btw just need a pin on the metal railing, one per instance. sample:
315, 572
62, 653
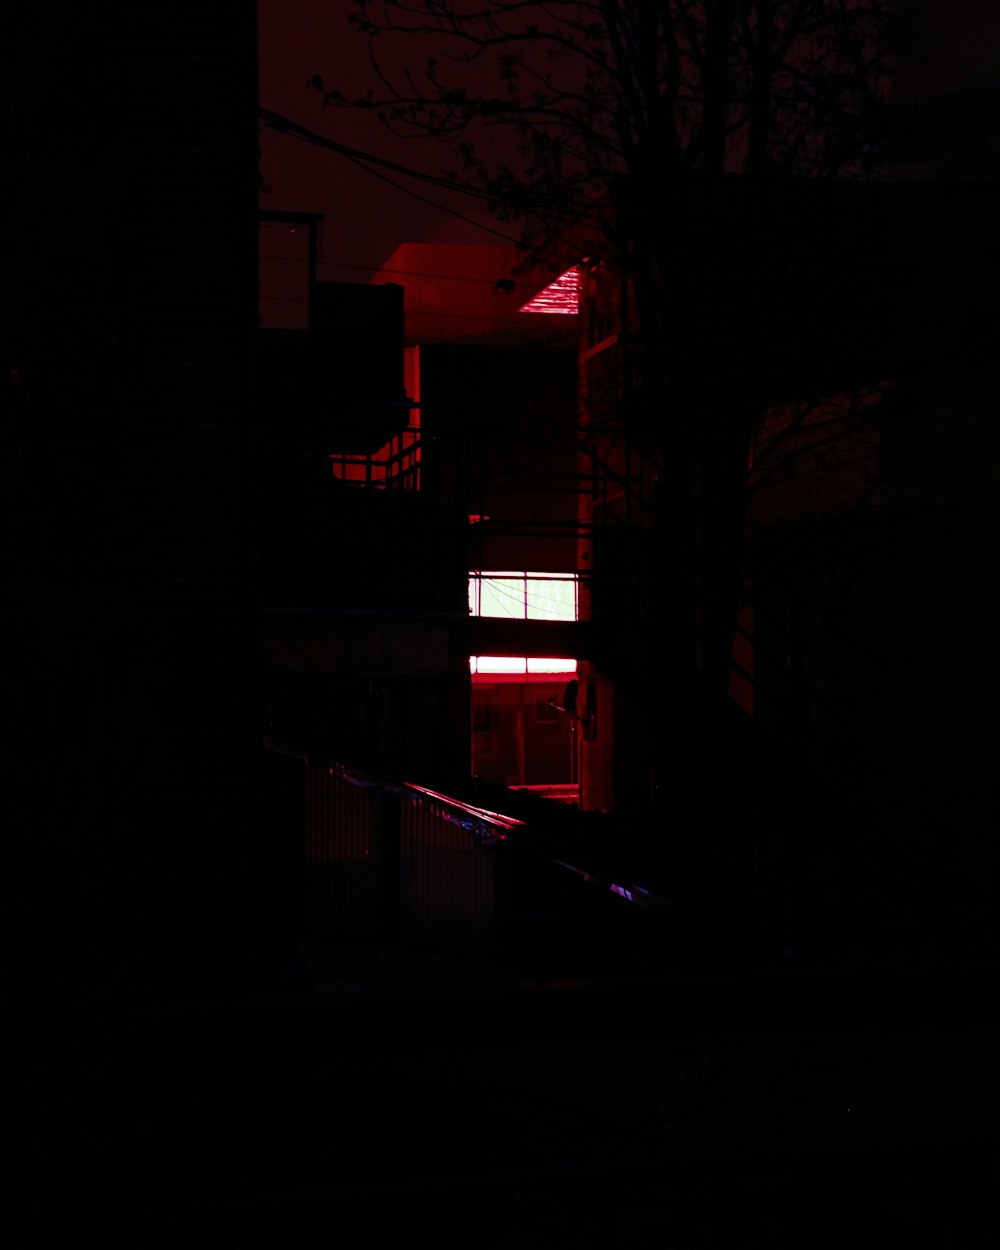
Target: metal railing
396, 466
396, 862
392, 862
447, 878
342, 851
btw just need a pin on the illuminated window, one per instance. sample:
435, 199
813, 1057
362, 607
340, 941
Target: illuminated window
552, 664
561, 296
519, 665
524, 596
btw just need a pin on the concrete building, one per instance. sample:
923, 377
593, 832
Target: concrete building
425, 617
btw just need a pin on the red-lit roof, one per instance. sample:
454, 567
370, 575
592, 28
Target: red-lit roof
561, 296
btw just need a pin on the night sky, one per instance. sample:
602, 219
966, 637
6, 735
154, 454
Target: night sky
366, 218
950, 45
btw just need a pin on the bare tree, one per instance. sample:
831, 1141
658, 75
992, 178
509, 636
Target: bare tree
617, 129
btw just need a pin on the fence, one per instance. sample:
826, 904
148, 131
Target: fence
394, 862
448, 874
390, 862
342, 846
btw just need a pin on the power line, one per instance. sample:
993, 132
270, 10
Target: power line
285, 125
364, 160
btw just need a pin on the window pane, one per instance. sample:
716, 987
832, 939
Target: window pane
502, 596
498, 664
518, 596
551, 665
552, 599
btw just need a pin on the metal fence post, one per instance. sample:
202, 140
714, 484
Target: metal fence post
387, 835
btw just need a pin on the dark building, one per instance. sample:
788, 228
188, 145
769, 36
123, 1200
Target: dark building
180, 555
131, 452
393, 512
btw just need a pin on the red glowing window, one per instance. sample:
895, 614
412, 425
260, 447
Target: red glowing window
561, 296
519, 665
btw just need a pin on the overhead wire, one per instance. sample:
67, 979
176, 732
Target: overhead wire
365, 160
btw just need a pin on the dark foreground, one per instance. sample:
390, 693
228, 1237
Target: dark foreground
785, 1111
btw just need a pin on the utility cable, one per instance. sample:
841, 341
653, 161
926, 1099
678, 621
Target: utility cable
364, 160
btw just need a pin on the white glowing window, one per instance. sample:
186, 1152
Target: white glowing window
497, 664
550, 665
552, 599
499, 595
524, 596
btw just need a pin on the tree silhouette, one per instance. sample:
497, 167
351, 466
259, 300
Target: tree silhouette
661, 137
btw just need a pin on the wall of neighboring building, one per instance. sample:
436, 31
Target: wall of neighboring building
471, 293
504, 417
497, 416
130, 307
362, 571
873, 607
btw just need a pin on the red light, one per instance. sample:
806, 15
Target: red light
561, 296
520, 664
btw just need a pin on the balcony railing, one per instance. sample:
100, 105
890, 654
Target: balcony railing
394, 466
394, 863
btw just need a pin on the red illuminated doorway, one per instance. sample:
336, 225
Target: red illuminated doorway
519, 739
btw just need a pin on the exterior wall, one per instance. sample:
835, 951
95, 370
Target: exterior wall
129, 304
365, 605
619, 769
130, 308
864, 504
615, 557
363, 574
404, 725
469, 293
496, 431
597, 787
873, 620
190, 145
506, 416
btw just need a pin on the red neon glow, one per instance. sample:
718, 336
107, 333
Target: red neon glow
561, 296
521, 665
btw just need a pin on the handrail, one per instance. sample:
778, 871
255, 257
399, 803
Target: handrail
398, 467
496, 826
469, 814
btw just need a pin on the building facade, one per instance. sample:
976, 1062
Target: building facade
430, 636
